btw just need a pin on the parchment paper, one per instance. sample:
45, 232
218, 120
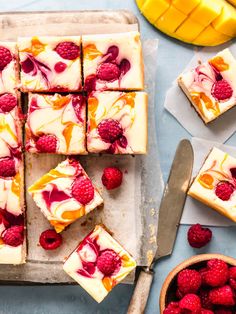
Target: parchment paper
179, 106
195, 211
130, 212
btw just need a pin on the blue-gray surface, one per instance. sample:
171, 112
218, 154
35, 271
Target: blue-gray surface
172, 57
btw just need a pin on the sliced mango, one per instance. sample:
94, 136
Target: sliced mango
186, 6
153, 9
184, 33
200, 22
206, 12
170, 20
210, 37
226, 22
233, 2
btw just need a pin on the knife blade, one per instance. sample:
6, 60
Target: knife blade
170, 213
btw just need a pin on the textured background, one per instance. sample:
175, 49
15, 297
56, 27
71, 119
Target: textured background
172, 58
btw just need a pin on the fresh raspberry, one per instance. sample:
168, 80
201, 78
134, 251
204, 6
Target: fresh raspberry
9, 219
205, 301
108, 72
223, 310
221, 90
232, 277
110, 130
5, 57
224, 190
172, 308
204, 311
199, 236
112, 178
13, 236
108, 262
217, 273
67, 50
7, 102
83, 190
50, 240
188, 281
7, 167
47, 144
190, 303
222, 296
60, 67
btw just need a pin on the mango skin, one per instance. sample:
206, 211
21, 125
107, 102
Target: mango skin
198, 22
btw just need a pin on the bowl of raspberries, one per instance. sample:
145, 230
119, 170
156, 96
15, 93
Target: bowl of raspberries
202, 284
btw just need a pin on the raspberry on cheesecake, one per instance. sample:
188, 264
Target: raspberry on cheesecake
211, 86
56, 124
50, 63
112, 62
215, 184
65, 194
117, 122
99, 263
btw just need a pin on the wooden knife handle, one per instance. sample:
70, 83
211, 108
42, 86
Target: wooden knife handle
141, 292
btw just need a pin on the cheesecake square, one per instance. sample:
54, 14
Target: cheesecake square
99, 263
215, 183
50, 63
211, 86
65, 194
12, 224
113, 61
56, 124
117, 122
8, 67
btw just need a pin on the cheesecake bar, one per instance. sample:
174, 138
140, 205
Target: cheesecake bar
113, 61
56, 124
8, 67
50, 63
12, 234
65, 194
211, 86
99, 263
117, 122
215, 184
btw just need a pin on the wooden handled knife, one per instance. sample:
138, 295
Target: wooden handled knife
170, 213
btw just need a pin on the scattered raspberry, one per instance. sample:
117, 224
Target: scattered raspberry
172, 308
217, 273
190, 303
47, 144
60, 67
110, 130
112, 53
108, 72
232, 277
7, 167
199, 236
204, 311
5, 57
67, 50
188, 281
221, 90
222, 296
13, 236
7, 102
50, 240
83, 190
90, 83
108, 262
112, 178
224, 190
205, 301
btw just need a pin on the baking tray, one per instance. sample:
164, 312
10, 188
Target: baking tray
44, 267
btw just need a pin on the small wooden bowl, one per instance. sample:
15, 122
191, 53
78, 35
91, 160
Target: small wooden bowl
192, 262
